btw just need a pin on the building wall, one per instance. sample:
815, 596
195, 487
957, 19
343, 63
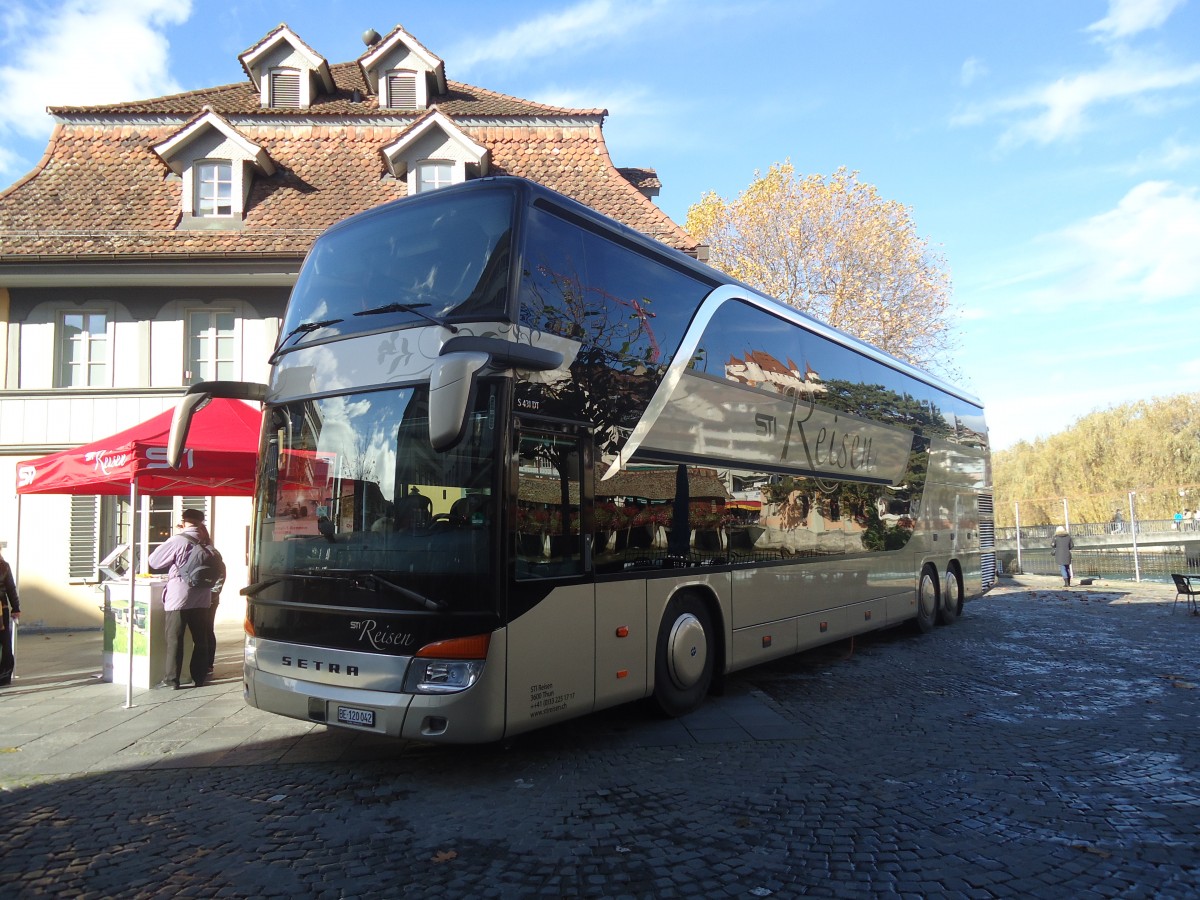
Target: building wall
148, 358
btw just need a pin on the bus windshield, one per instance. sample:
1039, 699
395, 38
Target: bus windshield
441, 259
352, 494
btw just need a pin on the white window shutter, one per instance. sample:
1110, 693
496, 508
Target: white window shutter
83, 548
285, 90
402, 90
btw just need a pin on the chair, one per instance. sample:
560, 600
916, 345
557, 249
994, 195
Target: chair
1183, 588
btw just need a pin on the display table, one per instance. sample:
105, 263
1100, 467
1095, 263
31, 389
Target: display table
149, 636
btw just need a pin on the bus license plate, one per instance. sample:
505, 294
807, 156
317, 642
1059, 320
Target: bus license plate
349, 715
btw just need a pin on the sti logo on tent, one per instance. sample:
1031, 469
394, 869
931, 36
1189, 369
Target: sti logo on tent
156, 458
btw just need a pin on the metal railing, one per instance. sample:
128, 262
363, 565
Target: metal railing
1115, 564
1030, 533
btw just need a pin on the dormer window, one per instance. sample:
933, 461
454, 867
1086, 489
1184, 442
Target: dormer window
214, 189
284, 89
403, 73
434, 153
402, 91
217, 164
287, 72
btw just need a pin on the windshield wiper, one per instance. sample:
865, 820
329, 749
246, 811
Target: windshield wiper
421, 599
414, 308
302, 328
251, 589
358, 579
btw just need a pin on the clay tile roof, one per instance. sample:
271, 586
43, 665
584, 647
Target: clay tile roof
243, 99
101, 190
642, 179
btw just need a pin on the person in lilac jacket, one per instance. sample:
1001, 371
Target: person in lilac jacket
186, 607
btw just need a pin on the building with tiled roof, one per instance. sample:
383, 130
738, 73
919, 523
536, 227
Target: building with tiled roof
155, 243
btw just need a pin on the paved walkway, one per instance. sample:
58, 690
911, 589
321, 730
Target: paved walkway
1045, 746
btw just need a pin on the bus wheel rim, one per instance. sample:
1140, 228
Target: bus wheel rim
953, 598
687, 651
928, 596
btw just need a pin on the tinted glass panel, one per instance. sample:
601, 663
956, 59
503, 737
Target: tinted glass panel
583, 286
745, 344
677, 516
444, 255
549, 543
626, 311
351, 492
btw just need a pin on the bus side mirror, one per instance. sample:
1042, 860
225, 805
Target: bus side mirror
451, 395
195, 399
452, 381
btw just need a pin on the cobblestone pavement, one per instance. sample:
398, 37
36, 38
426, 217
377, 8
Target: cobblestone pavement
1043, 746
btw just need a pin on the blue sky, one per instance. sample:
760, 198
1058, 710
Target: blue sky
1050, 150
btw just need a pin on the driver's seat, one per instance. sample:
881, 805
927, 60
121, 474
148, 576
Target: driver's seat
462, 509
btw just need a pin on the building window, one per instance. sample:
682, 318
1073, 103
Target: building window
214, 189
285, 89
212, 342
84, 349
432, 175
402, 90
162, 514
102, 528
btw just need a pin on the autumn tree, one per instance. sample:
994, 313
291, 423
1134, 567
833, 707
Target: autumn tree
833, 248
1148, 446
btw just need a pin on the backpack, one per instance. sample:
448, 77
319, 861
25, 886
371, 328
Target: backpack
203, 566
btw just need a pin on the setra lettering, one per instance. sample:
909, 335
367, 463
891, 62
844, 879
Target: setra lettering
318, 665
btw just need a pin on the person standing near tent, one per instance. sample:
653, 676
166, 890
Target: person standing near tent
11, 604
186, 605
214, 597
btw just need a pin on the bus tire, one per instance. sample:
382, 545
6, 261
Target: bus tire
683, 660
928, 600
951, 597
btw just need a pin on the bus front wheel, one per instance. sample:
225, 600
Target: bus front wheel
683, 664
927, 600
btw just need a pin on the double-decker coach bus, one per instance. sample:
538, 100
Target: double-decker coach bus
520, 463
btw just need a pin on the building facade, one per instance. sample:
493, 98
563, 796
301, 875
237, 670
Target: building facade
155, 244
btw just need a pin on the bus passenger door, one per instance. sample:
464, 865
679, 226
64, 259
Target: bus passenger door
551, 632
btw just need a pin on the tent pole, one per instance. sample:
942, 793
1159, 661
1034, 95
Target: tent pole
134, 538
16, 557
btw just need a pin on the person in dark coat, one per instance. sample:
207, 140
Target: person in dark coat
11, 604
1062, 545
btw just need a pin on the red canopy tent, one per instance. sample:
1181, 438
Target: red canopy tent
219, 459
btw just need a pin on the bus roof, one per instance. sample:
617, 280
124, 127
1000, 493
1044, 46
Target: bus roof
533, 193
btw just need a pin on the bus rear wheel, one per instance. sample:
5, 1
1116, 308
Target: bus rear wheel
927, 600
951, 597
683, 661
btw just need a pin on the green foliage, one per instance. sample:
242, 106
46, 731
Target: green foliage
1151, 447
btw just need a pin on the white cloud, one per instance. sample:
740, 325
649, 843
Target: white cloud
1129, 17
1145, 248
1059, 110
83, 52
1170, 156
972, 70
570, 30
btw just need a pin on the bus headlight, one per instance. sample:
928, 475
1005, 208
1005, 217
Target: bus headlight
446, 667
442, 676
251, 653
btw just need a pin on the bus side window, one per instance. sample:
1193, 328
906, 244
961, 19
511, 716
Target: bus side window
548, 541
